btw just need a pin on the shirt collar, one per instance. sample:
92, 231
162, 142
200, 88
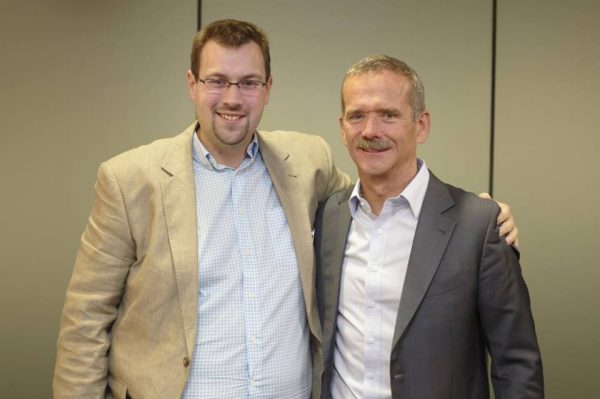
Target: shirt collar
202, 156
413, 194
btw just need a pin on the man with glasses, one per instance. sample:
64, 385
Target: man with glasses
195, 274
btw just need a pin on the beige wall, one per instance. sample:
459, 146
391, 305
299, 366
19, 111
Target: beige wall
81, 81
314, 42
547, 150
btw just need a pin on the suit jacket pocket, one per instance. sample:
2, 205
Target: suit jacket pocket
450, 276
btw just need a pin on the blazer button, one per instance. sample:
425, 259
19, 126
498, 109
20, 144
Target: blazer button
398, 377
186, 361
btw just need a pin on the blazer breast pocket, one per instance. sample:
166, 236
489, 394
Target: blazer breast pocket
449, 277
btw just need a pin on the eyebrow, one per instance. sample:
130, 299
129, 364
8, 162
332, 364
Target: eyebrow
250, 76
379, 110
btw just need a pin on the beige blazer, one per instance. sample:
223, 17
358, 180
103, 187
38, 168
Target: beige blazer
129, 320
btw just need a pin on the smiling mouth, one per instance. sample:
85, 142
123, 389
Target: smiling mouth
230, 117
373, 150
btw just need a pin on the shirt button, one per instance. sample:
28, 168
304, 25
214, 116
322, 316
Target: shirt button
251, 381
252, 339
374, 268
371, 340
186, 361
250, 295
379, 231
370, 376
372, 305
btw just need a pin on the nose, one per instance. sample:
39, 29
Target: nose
371, 128
232, 95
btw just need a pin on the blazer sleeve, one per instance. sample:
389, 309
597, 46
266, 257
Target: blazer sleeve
505, 312
106, 252
334, 179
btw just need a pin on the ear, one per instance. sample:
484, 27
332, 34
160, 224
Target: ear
423, 126
268, 89
191, 83
342, 130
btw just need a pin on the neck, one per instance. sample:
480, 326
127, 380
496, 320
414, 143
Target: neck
376, 189
230, 155
232, 159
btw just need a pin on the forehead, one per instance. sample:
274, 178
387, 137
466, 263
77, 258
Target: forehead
245, 60
380, 89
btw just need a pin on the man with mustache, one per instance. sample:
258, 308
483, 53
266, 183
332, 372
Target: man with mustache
195, 274
414, 282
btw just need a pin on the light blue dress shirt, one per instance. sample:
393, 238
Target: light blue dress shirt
252, 338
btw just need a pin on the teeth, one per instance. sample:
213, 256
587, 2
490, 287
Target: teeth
230, 117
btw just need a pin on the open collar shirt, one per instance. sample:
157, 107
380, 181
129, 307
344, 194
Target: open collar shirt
252, 338
374, 268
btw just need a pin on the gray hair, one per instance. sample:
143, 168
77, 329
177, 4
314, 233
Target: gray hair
379, 63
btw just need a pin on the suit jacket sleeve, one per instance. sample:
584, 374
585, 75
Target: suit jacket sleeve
505, 312
106, 252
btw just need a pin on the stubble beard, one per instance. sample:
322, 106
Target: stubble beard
226, 137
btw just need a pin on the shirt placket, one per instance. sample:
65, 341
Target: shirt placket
248, 259
372, 344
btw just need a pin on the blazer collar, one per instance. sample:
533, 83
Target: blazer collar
432, 235
335, 227
179, 206
284, 173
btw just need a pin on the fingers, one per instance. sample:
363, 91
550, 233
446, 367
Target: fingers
507, 225
506, 221
512, 238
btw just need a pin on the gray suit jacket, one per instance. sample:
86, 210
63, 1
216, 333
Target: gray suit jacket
129, 320
463, 293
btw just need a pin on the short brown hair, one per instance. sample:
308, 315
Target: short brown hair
379, 63
230, 33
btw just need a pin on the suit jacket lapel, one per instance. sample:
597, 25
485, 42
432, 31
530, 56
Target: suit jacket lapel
336, 225
179, 202
284, 175
431, 238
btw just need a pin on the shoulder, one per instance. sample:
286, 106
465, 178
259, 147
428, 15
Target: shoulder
467, 206
291, 137
299, 145
150, 157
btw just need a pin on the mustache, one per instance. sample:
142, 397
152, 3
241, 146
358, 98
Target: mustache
372, 145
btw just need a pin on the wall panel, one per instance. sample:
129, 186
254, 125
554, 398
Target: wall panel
548, 145
80, 81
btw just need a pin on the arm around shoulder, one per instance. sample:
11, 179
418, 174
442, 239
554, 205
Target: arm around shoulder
94, 293
336, 179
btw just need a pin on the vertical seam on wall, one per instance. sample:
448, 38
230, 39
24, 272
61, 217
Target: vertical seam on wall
493, 100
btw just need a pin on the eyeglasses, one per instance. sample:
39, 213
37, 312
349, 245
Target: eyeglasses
248, 87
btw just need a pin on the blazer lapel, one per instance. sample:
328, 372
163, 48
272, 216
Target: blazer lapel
179, 203
336, 225
284, 175
431, 238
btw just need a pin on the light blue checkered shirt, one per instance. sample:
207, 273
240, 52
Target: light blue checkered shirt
252, 337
